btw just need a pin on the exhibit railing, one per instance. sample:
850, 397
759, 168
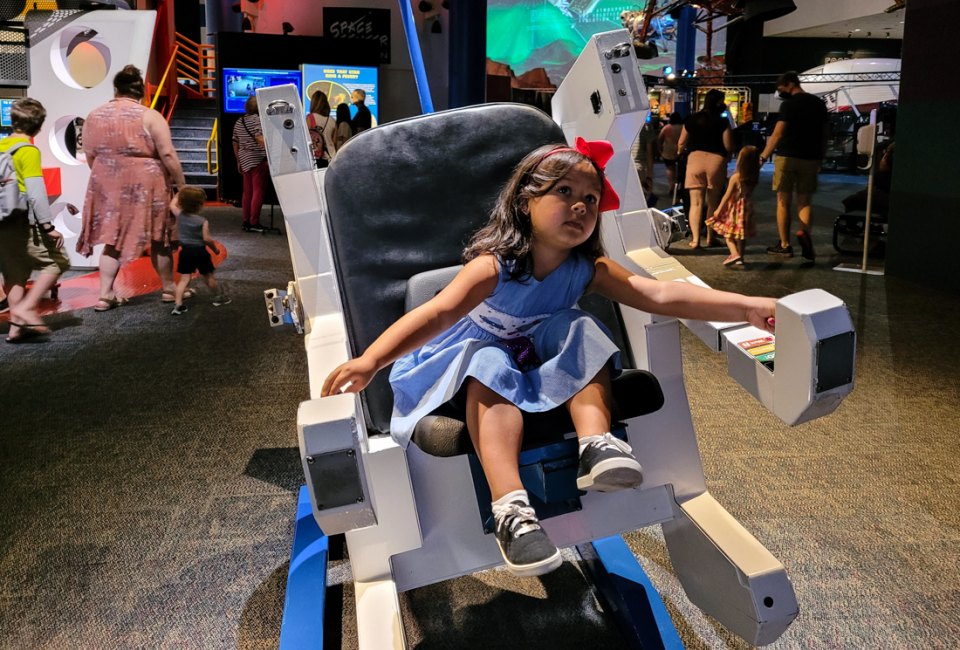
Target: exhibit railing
171, 100
213, 167
196, 62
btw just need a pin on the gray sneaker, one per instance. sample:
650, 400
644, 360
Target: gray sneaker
526, 549
607, 465
221, 300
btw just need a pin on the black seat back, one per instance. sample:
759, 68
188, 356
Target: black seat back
405, 197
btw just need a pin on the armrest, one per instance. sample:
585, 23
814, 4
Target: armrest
332, 440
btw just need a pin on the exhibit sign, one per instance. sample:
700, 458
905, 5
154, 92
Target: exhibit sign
372, 26
338, 82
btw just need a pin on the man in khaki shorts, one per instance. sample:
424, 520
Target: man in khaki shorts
799, 139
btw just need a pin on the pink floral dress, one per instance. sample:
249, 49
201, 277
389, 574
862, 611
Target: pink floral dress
735, 220
128, 196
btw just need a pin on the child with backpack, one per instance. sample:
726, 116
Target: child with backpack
194, 232
28, 239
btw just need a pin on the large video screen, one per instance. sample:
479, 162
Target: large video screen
241, 83
539, 41
339, 82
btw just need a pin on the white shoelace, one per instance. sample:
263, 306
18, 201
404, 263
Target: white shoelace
610, 441
518, 519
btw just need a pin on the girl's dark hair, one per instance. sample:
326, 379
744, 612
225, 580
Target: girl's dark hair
319, 104
676, 118
129, 82
343, 113
748, 166
508, 233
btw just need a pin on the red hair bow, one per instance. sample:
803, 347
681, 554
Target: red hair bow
599, 152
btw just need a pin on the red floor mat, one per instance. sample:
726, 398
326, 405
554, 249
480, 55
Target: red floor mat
135, 279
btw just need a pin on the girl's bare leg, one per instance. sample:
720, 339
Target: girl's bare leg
496, 429
590, 409
606, 463
732, 247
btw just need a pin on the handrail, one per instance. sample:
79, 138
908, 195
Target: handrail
210, 143
173, 57
172, 106
197, 63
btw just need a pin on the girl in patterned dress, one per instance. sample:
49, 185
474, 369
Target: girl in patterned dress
733, 218
507, 333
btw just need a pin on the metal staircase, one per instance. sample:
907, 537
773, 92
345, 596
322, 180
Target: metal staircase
193, 128
186, 97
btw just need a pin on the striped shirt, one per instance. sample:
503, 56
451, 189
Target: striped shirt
245, 132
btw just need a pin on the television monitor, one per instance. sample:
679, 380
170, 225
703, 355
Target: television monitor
339, 82
5, 106
241, 83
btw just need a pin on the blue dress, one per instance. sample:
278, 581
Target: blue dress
526, 341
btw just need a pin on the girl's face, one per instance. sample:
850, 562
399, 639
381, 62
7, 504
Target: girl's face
566, 216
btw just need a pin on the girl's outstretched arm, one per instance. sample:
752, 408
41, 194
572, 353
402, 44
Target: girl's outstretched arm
475, 282
680, 299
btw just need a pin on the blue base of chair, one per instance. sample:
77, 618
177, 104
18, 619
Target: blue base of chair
302, 624
629, 595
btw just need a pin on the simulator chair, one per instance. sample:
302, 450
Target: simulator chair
398, 202
378, 232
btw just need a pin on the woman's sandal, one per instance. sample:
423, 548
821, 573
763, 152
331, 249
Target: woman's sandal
733, 259
27, 331
106, 304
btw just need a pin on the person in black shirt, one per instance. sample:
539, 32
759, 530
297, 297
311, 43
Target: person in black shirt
362, 120
799, 139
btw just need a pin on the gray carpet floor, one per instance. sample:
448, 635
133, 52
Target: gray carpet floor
150, 474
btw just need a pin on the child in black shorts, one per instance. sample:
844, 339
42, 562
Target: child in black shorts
194, 239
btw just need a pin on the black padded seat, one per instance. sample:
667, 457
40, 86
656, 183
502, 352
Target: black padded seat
434, 183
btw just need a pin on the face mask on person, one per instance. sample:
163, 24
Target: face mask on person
783, 94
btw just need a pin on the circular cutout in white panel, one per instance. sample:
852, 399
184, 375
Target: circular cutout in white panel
80, 58
67, 217
66, 140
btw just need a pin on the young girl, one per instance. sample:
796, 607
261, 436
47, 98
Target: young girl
733, 218
506, 335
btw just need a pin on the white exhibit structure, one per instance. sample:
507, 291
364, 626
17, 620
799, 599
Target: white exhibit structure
74, 56
362, 230
854, 82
